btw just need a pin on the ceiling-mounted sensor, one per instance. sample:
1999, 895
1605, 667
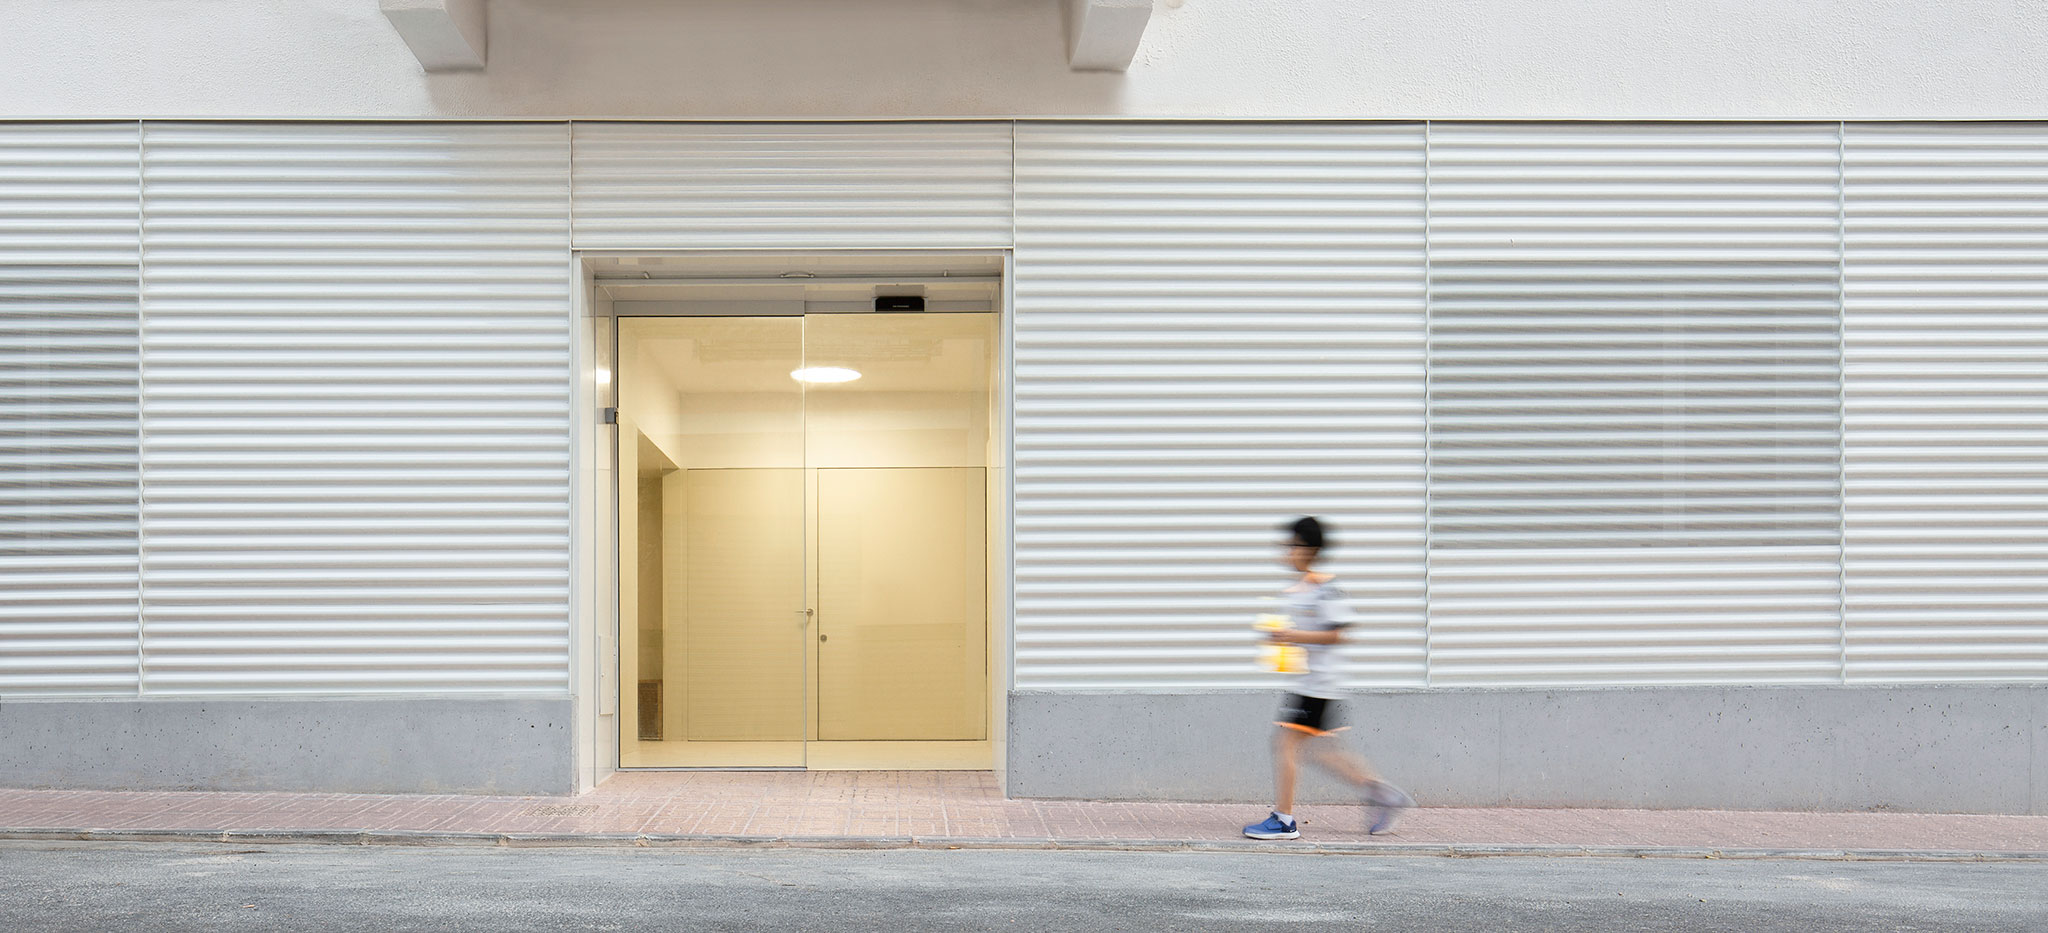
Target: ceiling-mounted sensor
899, 302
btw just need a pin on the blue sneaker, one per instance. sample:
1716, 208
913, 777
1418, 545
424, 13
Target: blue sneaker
1272, 828
1383, 805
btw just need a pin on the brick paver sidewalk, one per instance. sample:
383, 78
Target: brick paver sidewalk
936, 808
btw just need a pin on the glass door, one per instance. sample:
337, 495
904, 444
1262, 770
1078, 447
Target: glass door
714, 618
900, 479
804, 505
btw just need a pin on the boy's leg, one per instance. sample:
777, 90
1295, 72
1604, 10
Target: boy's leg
1331, 753
1383, 801
1286, 766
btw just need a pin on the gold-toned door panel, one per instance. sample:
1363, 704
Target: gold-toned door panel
742, 635
902, 566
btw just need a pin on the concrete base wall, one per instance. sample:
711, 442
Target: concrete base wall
1951, 749
408, 745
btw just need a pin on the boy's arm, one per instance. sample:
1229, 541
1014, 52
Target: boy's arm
1295, 636
1336, 614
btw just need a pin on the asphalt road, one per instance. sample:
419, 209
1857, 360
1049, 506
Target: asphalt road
178, 887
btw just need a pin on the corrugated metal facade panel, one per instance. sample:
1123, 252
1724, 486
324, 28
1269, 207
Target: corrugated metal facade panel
355, 402
1946, 344
792, 186
1218, 327
68, 409
1634, 403
1601, 616
356, 408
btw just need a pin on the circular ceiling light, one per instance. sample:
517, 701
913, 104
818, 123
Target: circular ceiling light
824, 374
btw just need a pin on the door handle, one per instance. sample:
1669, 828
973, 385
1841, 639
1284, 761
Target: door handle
803, 617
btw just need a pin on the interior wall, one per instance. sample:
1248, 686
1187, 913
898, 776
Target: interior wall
675, 584
841, 431
916, 429
1597, 59
651, 563
657, 406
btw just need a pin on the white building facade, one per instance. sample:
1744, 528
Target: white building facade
1676, 384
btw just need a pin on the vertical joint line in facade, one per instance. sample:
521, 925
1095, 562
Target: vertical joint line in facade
582, 329
1013, 187
1428, 466
1842, 400
1006, 324
569, 130
141, 427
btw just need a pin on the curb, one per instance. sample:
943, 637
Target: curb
434, 838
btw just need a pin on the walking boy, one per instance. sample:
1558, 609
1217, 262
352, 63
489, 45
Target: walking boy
1309, 716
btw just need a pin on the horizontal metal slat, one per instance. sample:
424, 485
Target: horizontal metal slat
1218, 328
359, 348
717, 186
69, 205
1945, 349
1633, 400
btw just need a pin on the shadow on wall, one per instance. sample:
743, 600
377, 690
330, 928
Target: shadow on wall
818, 59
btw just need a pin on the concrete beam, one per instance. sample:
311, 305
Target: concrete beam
445, 35
1103, 35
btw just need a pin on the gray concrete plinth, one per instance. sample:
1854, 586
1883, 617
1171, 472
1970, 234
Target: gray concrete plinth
1950, 749
346, 745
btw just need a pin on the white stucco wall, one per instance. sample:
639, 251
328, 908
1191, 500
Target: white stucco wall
905, 58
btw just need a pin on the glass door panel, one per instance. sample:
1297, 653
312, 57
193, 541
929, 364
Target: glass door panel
713, 615
899, 479
804, 507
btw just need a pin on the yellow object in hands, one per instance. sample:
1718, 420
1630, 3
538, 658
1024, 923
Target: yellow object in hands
1285, 659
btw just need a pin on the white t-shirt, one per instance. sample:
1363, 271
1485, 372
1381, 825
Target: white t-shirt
1317, 607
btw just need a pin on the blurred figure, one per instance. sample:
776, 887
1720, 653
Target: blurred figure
1316, 615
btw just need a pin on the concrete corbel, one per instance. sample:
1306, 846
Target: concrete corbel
1103, 35
445, 35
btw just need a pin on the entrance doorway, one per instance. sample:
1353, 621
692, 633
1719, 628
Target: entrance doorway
804, 510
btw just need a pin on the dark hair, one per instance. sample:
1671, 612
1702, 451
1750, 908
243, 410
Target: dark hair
1309, 532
